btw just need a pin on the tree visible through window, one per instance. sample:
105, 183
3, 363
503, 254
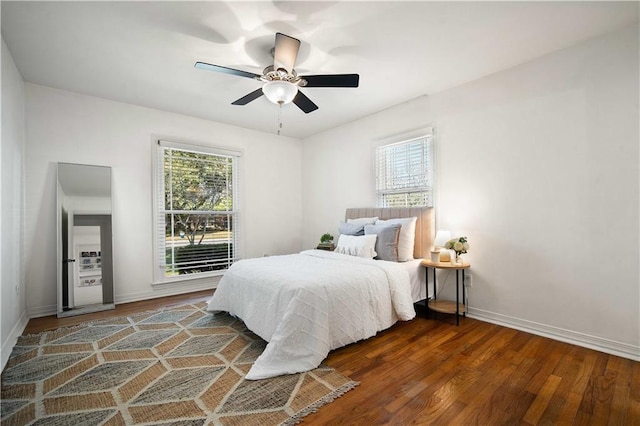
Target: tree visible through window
197, 214
404, 173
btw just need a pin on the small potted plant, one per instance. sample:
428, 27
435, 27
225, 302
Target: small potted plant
326, 242
326, 239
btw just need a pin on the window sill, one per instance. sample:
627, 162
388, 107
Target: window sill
187, 280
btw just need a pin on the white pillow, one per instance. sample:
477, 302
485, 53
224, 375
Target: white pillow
363, 221
407, 236
361, 246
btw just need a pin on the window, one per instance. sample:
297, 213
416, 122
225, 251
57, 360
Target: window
404, 173
196, 211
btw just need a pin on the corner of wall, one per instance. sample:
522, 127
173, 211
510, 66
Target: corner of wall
12, 338
13, 309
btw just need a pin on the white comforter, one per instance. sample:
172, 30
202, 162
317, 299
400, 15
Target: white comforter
309, 303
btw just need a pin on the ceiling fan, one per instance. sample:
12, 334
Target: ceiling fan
281, 82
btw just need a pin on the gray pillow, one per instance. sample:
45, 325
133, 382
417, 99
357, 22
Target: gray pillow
387, 241
351, 229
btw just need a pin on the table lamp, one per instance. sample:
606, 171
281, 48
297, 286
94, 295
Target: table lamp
442, 236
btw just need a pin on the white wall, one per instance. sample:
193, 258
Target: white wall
13, 306
68, 127
538, 166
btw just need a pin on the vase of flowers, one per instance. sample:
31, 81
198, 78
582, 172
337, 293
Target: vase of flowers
459, 245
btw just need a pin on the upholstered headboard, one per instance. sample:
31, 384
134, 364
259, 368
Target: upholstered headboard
425, 225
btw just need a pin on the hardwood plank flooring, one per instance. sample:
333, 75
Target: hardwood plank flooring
432, 372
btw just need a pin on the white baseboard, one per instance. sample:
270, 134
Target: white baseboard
613, 347
41, 311
159, 290
170, 289
12, 338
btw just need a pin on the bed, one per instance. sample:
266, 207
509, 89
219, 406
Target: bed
307, 304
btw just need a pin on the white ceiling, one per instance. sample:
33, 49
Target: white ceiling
143, 52
80, 180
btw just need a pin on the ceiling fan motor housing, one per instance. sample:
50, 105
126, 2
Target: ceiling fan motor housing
281, 74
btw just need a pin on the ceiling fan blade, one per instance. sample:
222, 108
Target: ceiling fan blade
304, 103
332, 80
285, 52
225, 70
248, 98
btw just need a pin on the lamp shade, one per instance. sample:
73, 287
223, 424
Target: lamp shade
280, 92
442, 236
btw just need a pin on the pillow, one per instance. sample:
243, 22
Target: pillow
407, 236
351, 229
387, 241
363, 221
361, 246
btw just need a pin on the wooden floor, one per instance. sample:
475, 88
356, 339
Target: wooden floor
432, 372
37, 325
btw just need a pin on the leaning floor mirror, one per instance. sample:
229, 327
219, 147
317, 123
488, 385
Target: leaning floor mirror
84, 255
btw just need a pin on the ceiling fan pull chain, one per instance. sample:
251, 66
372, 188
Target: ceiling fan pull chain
279, 119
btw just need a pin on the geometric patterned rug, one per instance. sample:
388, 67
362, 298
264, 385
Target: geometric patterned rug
178, 366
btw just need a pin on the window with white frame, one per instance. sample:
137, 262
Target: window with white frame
195, 211
404, 173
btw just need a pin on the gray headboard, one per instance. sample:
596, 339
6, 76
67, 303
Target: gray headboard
425, 225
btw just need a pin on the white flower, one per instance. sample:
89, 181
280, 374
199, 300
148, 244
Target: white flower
459, 245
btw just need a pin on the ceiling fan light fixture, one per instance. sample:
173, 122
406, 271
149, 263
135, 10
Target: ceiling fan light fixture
280, 92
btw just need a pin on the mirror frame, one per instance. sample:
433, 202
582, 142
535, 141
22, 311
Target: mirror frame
105, 237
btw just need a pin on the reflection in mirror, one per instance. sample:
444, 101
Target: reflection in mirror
85, 258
